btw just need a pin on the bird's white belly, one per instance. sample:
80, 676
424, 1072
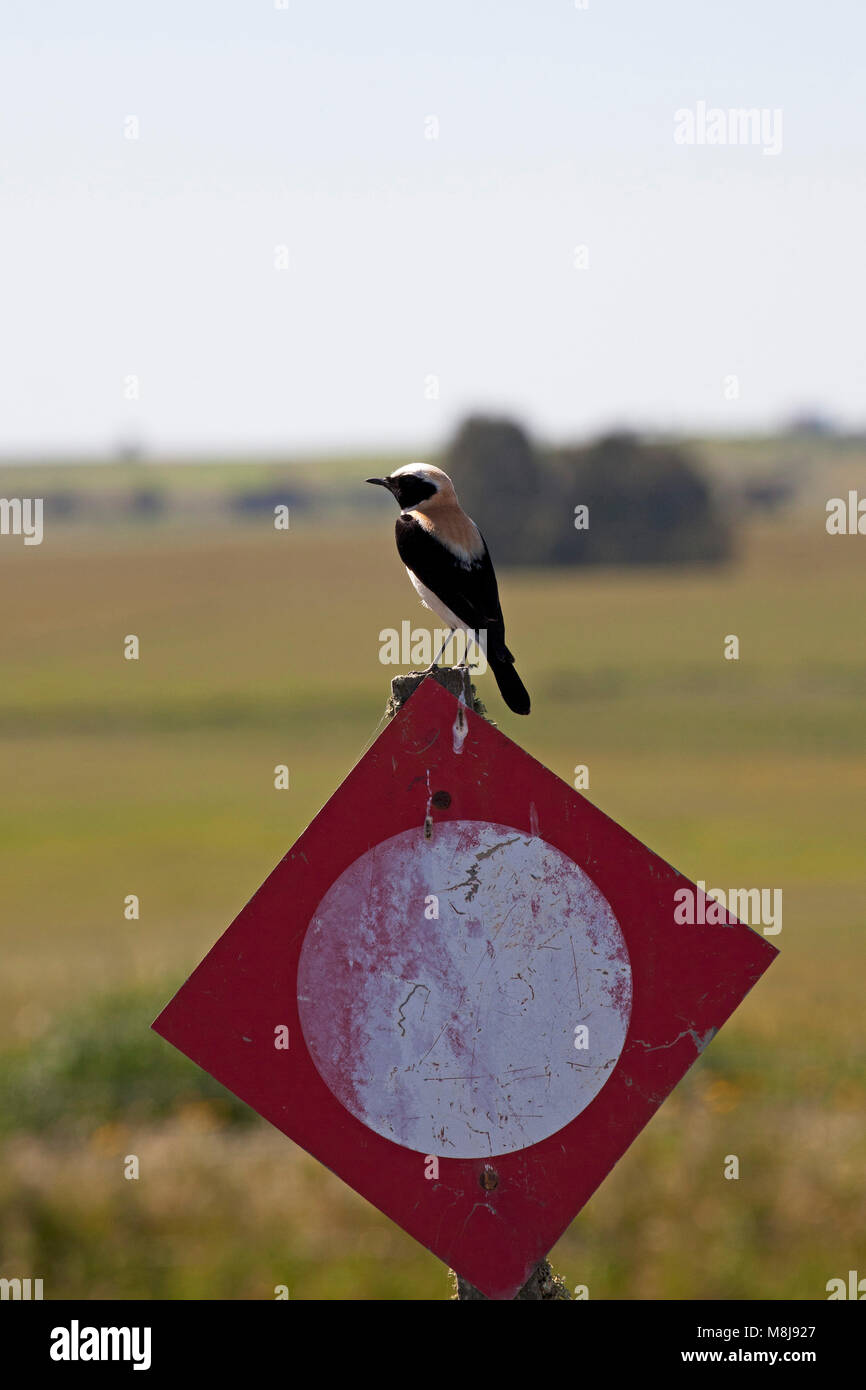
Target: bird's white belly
429, 600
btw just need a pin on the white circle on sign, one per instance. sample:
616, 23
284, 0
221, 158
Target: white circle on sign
466, 995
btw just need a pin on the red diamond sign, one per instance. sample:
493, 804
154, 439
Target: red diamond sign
465, 990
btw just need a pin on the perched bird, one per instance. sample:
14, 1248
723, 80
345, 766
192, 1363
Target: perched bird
448, 563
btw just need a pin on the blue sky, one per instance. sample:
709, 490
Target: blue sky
410, 257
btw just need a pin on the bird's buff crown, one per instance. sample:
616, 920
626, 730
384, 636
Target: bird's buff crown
419, 486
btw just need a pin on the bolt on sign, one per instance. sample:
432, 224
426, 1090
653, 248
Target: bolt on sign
464, 990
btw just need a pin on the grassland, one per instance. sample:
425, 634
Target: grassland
156, 778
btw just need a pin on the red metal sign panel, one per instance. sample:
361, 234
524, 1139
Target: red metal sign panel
465, 990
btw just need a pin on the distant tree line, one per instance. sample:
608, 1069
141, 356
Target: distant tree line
155, 503
616, 501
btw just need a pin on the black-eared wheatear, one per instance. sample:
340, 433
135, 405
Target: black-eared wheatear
449, 565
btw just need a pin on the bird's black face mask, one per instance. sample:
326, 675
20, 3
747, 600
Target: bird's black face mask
408, 489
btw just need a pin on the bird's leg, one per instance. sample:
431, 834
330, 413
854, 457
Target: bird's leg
434, 663
465, 662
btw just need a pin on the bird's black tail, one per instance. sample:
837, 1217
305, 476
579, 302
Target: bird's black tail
511, 687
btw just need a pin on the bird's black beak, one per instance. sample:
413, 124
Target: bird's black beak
383, 482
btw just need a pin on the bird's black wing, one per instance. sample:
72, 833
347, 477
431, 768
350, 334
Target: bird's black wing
469, 590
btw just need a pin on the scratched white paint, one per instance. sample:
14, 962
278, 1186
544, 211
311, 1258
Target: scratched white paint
456, 1036
460, 729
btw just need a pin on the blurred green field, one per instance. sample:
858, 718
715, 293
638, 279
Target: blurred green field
156, 778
